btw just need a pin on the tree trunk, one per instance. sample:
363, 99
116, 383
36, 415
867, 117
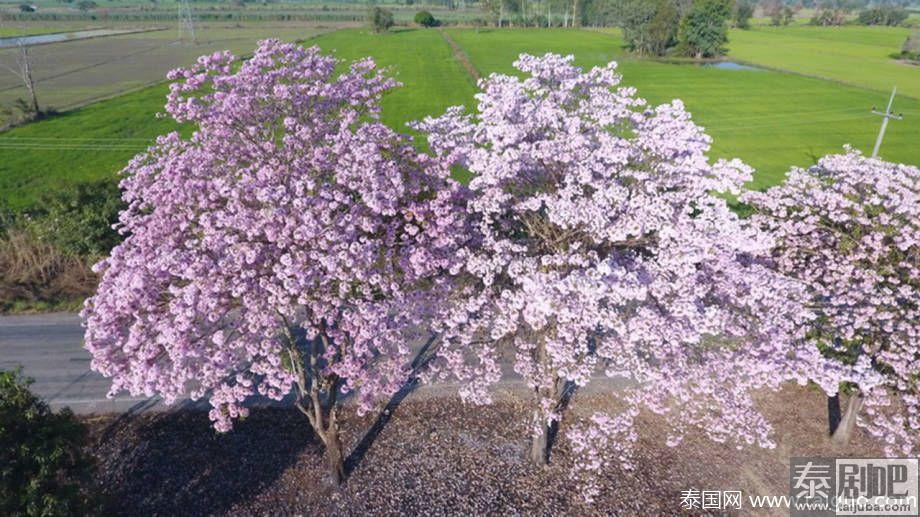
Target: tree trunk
845, 430
316, 399
335, 458
539, 442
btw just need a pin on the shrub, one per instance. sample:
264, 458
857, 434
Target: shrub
911, 48
780, 15
426, 19
42, 468
381, 19
79, 221
741, 17
827, 17
37, 274
46, 253
883, 15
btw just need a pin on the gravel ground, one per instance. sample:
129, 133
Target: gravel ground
435, 456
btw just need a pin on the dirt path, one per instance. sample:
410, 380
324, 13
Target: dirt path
461, 56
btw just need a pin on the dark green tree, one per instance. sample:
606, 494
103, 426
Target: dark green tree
649, 27
890, 15
741, 17
704, 29
380, 19
426, 19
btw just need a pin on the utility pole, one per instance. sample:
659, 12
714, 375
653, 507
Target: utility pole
886, 116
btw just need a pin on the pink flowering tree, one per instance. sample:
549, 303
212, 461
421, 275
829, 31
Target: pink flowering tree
849, 228
291, 244
599, 250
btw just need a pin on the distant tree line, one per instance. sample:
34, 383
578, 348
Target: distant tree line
654, 27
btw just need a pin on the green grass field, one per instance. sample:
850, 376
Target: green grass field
855, 55
98, 140
419, 58
769, 119
82, 145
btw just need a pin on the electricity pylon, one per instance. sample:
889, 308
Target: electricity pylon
186, 23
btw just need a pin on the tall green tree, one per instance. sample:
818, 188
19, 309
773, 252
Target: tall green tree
649, 27
704, 29
380, 19
741, 17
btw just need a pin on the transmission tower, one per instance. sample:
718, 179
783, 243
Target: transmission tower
186, 23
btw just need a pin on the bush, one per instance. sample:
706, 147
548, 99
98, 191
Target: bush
381, 19
79, 221
741, 17
827, 17
43, 470
46, 254
780, 15
426, 19
911, 49
883, 15
37, 275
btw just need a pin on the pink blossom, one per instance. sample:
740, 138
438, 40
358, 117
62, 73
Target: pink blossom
599, 247
849, 228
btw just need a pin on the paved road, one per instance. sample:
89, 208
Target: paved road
49, 347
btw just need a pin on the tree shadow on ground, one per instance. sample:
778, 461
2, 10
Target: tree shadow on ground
174, 463
424, 356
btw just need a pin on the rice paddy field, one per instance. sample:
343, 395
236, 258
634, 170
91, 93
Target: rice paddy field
854, 55
797, 107
73, 73
770, 119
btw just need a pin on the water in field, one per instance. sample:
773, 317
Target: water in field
57, 37
731, 65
